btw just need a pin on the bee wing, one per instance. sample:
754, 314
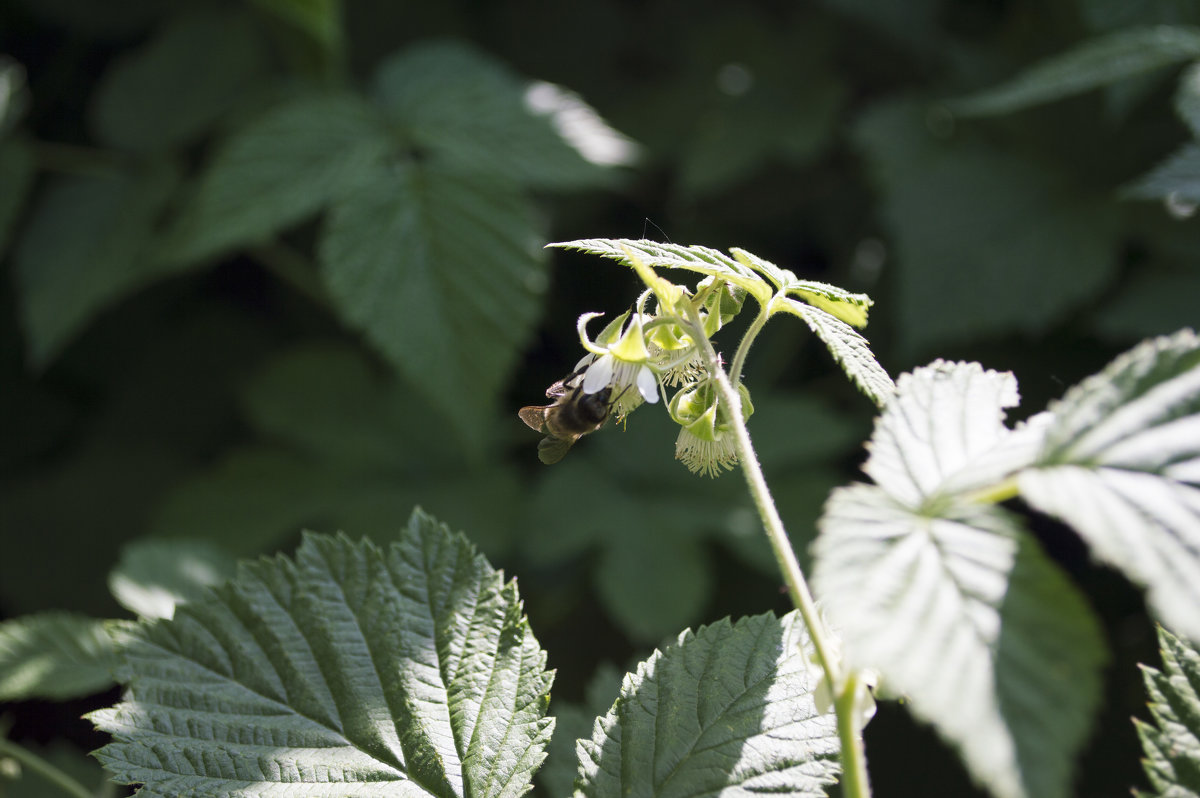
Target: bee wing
534, 416
552, 449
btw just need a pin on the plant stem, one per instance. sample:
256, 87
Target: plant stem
44, 768
855, 784
854, 760
994, 494
739, 357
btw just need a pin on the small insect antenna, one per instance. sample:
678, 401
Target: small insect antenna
648, 221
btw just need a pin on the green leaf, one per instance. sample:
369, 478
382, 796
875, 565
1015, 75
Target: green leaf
154, 576
914, 24
331, 402
1109, 14
14, 96
1100, 62
1176, 180
1172, 743
66, 280
645, 596
851, 351
693, 258
1151, 302
17, 170
444, 276
1187, 98
573, 722
953, 604
727, 708
987, 241
54, 655
175, 88
470, 113
320, 20
253, 500
846, 306
945, 434
408, 669
652, 573
963, 615
1121, 464
772, 121
61, 756
279, 170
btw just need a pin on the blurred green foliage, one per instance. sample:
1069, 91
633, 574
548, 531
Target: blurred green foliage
277, 264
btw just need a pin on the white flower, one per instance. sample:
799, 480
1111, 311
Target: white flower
620, 362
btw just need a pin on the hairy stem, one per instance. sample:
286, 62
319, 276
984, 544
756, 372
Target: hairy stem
854, 785
44, 768
854, 760
739, 357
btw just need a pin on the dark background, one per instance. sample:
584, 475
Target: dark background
219, 395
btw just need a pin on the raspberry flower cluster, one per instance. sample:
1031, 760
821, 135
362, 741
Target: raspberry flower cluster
665, 341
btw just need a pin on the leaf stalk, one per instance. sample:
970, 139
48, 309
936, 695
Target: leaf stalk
44, 769
843, 687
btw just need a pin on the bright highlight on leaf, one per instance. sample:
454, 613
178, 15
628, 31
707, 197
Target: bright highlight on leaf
1122, 466
727, 710
156, 575
952, 603
1172, 743
350, 670
54, 655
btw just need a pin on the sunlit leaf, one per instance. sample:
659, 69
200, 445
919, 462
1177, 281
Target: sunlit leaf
953, 604
964, 616
1121, 465
673, 256
847, 306
444, 275
408, 669
1172, 742
851, 351
54, 655
727, 708
945, 433
1096, 63
154, 576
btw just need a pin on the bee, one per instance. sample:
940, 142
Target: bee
572, 415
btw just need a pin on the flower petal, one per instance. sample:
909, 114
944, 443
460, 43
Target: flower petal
599, 374
647, 384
